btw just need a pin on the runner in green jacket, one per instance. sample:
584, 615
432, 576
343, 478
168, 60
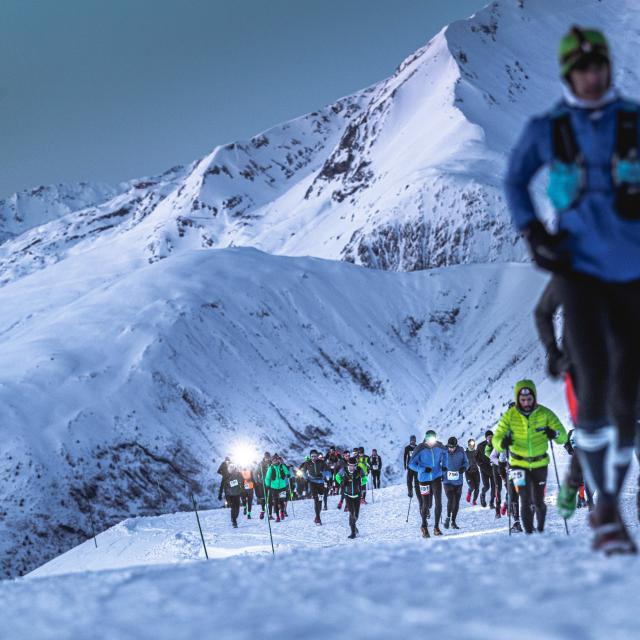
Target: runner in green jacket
525, 431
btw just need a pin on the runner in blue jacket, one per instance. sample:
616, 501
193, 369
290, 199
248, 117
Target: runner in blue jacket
455, 463
591, 143
426, 461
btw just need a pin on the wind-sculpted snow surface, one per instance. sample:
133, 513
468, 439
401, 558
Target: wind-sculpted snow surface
404, 175
477, 583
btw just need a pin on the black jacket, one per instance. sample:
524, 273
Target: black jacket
261, 471
376, 461
314, 471
481, 458
408, 452
351, 483
233, 484
472, 456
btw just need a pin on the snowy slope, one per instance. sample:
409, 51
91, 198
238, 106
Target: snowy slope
135, 351
404, 175
121, 386
476, 583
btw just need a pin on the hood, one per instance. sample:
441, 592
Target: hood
525, 384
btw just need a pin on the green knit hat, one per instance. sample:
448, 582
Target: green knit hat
580, 43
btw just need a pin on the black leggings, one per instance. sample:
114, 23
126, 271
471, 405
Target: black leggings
488, 483
601, 321
353, 504
247, 499
427, 500
276, 502
454, 492
497, 483
376, 478
234, 503
532, 494
318, 492
473, 482
259, 488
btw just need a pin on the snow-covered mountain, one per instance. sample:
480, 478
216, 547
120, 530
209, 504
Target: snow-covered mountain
404, 175
141, 336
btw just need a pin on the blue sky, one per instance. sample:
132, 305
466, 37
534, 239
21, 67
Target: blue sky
106, 90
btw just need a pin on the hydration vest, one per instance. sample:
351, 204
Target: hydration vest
568, 174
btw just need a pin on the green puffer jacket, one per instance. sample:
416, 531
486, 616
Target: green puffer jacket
276, 477
530, 447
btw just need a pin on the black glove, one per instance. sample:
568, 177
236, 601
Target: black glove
461, 469
445, 469
507, 441
428, 469
546, 248
557, 363
551, 434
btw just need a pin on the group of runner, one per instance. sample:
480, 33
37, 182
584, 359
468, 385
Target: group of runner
274, 483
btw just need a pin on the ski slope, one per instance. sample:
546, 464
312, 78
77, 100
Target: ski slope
148, 579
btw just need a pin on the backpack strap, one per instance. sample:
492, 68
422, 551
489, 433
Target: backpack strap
564, 144
627, 135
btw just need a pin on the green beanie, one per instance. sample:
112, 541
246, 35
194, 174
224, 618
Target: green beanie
579, 43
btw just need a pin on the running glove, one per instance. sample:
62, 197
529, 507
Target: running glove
428, 469
551, 434
507, 441
546, 248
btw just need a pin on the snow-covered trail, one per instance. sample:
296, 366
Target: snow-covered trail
476, 583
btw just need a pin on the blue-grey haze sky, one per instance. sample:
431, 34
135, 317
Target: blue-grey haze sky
107, 90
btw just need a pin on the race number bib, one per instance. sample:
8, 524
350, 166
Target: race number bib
518, 477
233, 483
375, 467
425, 489
283, 494
453, 475
247, 485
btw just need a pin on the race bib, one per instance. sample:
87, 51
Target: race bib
453, 475
425, 489
283, 494
375, 467
247, 485
518, 477
233, 483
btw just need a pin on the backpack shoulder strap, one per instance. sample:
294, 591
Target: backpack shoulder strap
563, 139
627, 134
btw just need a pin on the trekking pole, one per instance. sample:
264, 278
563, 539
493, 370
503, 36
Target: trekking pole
293, 509
508, 489
93, 529
555, 466
373, 497
268, 515
89, 509
195, 508
409, 509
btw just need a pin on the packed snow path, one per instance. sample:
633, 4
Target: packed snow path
475, 583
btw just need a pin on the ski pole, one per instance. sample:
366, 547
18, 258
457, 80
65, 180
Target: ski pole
508, 489
93, 530
266, 502
409, 509
89, 509
195, 508
373, 497
555, 466
293, 509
